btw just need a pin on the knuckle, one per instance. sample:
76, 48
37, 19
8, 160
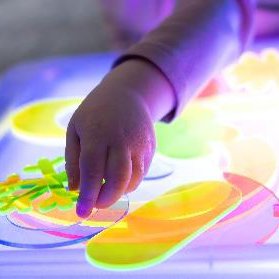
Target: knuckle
118, 179
94, 176
88, 158
91, 169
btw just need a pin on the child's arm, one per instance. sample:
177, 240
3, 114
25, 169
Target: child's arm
111, 134
198, 40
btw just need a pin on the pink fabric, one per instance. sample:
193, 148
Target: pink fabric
189, 57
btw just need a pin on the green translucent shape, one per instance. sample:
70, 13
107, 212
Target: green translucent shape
31, 169
61, 177
61, 200
58, 161
47, 205
38, 194
6, 192
48, 192
10, 185
189, 135
18, 203
27, 186
45, 166
18, 195
7, 209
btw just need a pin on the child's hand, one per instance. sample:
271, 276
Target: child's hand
111, 136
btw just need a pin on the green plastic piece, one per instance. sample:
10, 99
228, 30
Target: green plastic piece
189, 135
49, 191
45, 166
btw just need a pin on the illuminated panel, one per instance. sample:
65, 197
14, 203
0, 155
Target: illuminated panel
161, 227
250, 157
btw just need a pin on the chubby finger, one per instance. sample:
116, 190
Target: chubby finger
137, 172
72, 152
92, 164
117, 176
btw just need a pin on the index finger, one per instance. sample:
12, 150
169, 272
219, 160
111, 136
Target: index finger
92, 165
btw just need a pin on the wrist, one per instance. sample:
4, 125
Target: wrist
143, 79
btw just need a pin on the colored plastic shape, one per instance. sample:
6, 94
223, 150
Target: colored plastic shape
276, 210
189, 135
27, 121
161, 227
37, 231
39, 194
40, 212
251, 223
255, 72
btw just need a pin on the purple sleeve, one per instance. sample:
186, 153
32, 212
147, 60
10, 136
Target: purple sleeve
191, 45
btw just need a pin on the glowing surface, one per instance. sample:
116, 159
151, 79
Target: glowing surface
161, 227
242, 141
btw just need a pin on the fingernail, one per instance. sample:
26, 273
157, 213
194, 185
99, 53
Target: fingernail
82, 210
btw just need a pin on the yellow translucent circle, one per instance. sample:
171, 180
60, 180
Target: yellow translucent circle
38, 122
